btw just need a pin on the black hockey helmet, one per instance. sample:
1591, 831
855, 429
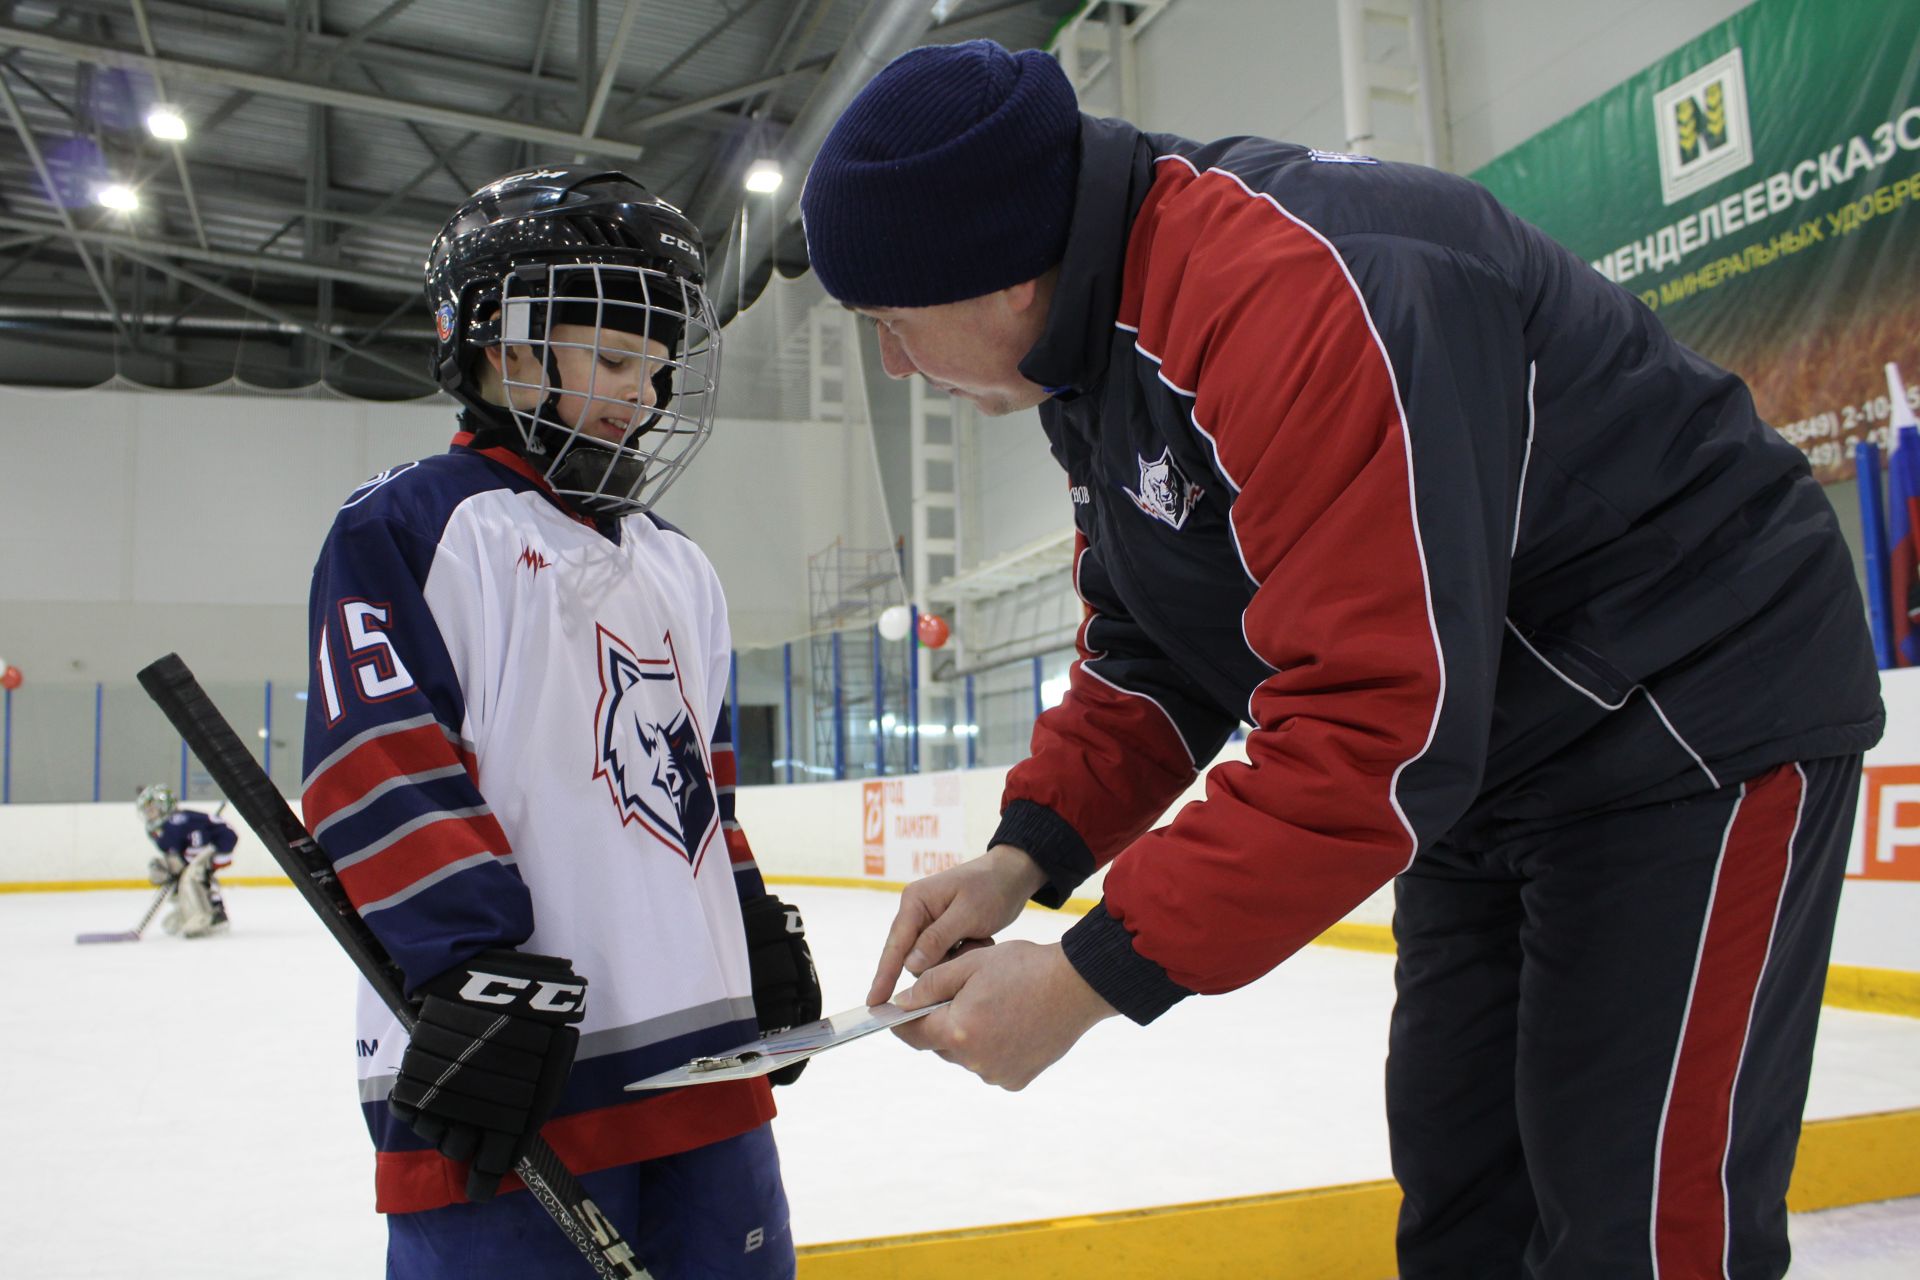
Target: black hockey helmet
563, 245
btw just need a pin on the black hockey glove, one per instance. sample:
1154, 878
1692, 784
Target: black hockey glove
786, 990
489, 1058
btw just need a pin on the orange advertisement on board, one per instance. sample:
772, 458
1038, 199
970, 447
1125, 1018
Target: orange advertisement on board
873, 827
1891, 848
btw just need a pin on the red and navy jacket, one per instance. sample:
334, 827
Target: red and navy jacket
1363, 461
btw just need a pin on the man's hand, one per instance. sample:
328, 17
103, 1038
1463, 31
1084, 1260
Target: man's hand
970, 902
1017, 1008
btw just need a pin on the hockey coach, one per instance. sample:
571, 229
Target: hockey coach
1523, 606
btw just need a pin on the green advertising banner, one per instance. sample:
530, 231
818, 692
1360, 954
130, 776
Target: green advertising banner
1759, 188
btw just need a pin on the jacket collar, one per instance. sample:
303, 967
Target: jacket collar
1116, 168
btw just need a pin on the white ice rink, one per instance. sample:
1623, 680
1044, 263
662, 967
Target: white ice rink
187, 1110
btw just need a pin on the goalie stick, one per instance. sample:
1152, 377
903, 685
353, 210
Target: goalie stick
133, 934
232, 767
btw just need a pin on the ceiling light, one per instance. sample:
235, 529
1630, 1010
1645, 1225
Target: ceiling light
166, 123
116, 195
764, 176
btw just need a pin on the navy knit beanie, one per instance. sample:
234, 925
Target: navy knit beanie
949, 176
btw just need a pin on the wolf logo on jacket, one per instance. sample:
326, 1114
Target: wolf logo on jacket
1165, 494
649, 751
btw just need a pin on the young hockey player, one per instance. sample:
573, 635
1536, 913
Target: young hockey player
519, 761
194, 848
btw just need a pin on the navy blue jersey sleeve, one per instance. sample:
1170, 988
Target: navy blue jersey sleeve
391, 788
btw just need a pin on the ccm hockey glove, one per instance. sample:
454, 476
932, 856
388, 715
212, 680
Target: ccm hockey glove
786, 990
488, 1059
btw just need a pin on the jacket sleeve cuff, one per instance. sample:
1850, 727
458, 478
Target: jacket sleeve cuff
1101, 951
1052, 843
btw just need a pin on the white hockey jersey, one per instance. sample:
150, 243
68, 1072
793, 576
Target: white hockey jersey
517, 737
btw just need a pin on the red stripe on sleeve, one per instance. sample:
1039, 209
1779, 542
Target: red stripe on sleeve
1690, 1209
421, 853
738, 850
373, 762
1253, 315
726, 771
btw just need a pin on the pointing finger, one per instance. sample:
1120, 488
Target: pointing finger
901, 937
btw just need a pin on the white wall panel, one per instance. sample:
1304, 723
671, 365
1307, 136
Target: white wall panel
761, 497
1013, 492
135, 523
132, 524
234, 494
1215, 68
1513, 67
67, 472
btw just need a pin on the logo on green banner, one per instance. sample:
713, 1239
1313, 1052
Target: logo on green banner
1702, 128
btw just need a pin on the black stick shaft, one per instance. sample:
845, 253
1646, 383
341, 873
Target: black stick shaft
246, 785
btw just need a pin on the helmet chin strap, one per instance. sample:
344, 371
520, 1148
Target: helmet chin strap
595, 479
599, 480
583, 466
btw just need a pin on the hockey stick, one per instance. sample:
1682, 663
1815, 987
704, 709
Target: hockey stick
133, 934
232, 766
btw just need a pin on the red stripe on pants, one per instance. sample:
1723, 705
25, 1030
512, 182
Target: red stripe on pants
1690, 1209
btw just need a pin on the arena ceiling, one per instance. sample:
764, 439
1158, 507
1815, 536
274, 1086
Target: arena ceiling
279, 245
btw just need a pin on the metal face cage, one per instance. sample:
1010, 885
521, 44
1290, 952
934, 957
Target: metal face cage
618, 395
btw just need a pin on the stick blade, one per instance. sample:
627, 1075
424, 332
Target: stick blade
125, 935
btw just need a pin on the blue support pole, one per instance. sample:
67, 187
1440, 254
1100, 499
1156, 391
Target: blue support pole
1874, 552
913, 688
879, 705
733, 704
183, 768
266, 746
973, 725
99, 707
839, 715
6, 752
1037, 708
786, 673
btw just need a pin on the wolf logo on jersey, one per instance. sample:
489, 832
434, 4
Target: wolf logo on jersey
650, 751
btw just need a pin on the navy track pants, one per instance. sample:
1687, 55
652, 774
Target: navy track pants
1603, 1033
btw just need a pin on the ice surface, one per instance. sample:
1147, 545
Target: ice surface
138, 1078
